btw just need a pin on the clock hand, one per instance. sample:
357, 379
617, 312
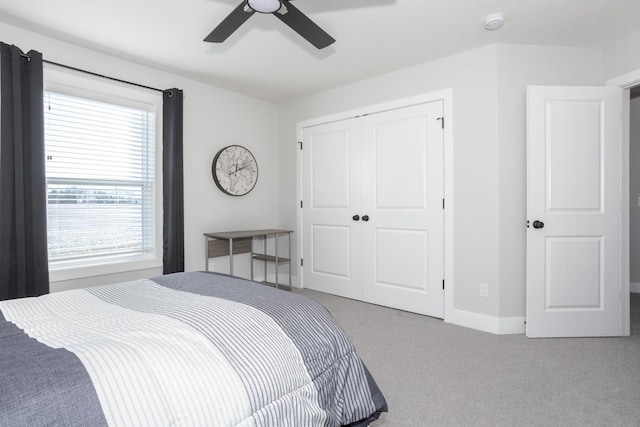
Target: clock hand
242, 167
239, 169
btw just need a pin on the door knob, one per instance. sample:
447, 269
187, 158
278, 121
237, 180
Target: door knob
538, 224
365, 218
356, 217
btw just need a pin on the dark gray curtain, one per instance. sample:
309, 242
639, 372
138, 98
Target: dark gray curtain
173, 191
24, 267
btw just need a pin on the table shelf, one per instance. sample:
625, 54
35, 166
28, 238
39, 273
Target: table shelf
235, 242
270, 258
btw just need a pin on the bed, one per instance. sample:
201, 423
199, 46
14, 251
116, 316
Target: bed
185, 349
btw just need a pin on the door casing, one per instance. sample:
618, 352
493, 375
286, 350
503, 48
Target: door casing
625, 82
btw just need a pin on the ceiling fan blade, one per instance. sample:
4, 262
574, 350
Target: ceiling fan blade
231, 23
301, 24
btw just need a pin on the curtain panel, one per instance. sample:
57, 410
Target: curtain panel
24, 267
173, 187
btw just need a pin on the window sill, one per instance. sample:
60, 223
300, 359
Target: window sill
60, 274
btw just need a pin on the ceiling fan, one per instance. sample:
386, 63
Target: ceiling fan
283, 10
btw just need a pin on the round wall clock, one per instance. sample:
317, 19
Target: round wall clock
235, 170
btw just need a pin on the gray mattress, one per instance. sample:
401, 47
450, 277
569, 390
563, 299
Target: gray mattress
183, 349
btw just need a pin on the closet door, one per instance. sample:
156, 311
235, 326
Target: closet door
332, 196
403, 187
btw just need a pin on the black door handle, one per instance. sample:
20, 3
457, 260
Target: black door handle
538, 224
356, 218
365, 218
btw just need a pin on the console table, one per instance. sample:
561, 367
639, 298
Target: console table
237, 242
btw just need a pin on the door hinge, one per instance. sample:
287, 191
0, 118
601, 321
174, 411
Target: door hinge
441, 121
442, 283
442, 203
301, 262
300, 142
300, 204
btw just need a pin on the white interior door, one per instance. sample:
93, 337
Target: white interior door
403, 246
332, 195
574, 212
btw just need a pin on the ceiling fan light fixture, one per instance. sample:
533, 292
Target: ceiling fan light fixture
264, 6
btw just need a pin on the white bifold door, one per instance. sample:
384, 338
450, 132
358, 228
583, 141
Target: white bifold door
372, 215
574, 199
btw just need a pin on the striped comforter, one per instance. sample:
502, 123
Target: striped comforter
188, 349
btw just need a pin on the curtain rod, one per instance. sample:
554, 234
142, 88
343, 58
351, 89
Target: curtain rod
103, 76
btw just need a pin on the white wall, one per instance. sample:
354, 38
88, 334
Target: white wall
622, 57
213, 118
489, 158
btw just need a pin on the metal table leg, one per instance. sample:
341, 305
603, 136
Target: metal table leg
290, 260
206, 253
231, 257
276, 263
264, 263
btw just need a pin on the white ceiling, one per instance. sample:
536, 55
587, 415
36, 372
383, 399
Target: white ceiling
266, 59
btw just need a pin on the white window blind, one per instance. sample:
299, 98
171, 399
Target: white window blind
100, 178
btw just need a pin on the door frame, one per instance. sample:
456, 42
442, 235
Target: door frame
625, 82
446, 96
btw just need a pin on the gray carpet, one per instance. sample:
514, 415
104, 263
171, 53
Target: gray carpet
436, 374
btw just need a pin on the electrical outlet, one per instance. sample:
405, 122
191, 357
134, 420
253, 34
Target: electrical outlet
484, 290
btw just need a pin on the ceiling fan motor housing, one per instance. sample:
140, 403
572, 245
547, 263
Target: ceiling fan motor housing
264, 6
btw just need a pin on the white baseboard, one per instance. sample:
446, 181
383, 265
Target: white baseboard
482, 322
635, 287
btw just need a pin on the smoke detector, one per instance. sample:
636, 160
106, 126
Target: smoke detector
494, 21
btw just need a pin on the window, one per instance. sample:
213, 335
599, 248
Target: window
101, 174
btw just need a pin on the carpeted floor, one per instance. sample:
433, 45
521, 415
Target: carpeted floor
437, 374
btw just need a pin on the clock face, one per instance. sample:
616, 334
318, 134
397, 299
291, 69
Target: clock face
234, 170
